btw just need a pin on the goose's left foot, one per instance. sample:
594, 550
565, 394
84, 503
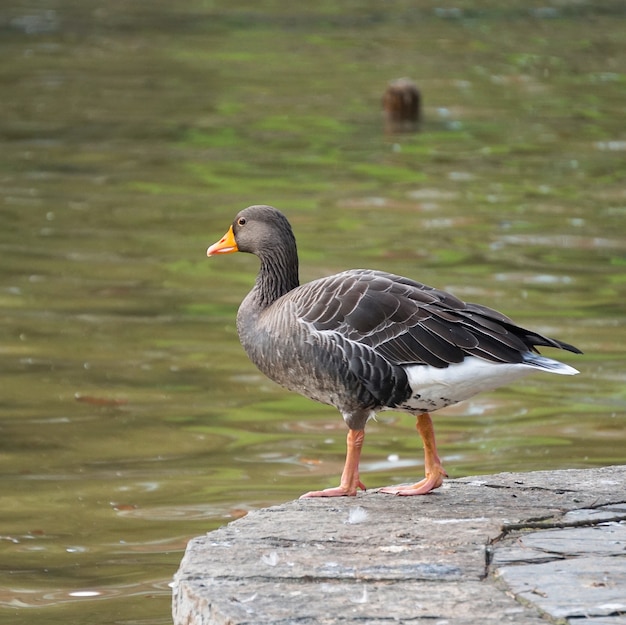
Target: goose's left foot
339, 491
350, 481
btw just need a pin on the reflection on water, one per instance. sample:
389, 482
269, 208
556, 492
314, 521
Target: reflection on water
130, 135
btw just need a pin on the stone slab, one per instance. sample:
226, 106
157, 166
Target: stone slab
482, 549
577, 587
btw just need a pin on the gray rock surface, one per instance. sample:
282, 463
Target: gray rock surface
507, 548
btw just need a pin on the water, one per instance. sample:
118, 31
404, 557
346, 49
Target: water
131, 134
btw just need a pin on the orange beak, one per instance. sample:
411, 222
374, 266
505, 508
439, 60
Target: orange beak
226, 245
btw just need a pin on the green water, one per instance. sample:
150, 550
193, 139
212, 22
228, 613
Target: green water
131, 133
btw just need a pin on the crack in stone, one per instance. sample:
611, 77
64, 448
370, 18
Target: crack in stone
508, 528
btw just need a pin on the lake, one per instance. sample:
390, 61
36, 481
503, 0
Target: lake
132, 133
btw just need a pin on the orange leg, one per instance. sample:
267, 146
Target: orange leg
432, 463
350, 481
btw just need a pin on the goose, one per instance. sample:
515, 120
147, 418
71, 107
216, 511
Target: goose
365, 340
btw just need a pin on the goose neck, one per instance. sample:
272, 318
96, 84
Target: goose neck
278, 275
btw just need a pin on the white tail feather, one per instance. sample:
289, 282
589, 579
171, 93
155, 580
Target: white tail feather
435, 388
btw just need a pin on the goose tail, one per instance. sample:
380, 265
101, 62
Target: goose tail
548, 364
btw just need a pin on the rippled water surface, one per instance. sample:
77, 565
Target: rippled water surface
131, 133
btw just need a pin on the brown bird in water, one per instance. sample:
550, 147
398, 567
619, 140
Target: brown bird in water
366, 340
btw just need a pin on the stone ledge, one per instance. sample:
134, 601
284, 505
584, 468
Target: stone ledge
514, 547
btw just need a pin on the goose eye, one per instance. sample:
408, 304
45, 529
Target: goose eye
241, 221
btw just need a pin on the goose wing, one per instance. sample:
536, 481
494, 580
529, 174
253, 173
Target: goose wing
407, 322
